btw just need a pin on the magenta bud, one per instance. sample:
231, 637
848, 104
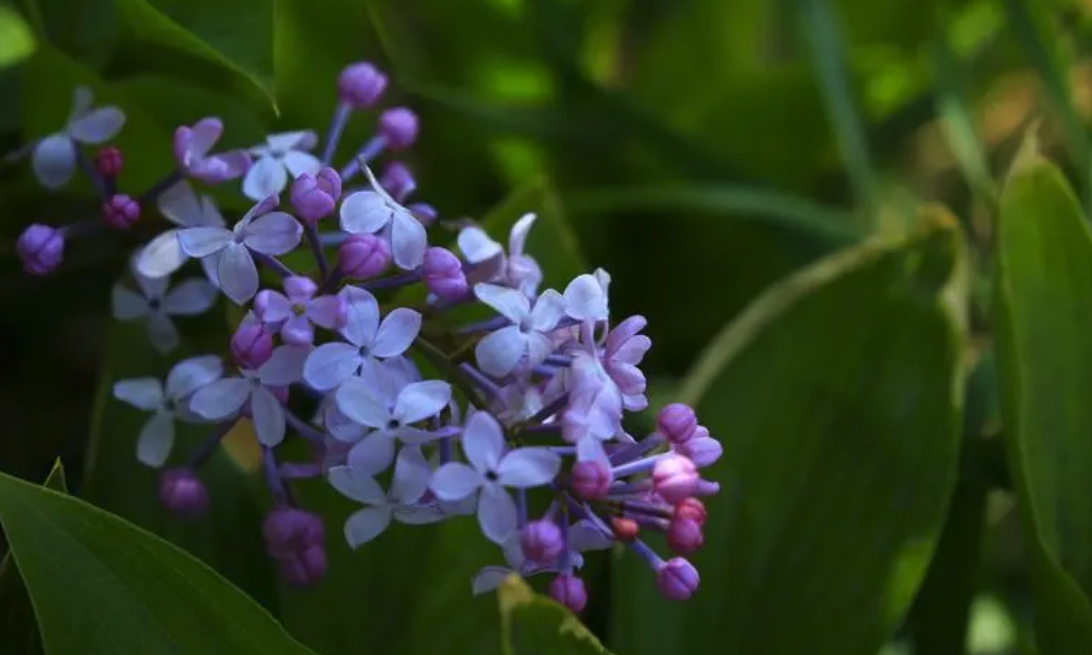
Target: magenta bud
675, 478
569, 591
361, 85
397, 180
677, 579
364, 256
41, 249
684, 536
677, 422
398, 127
443, 273
591, 480
120, 212
182, 492
108, 162
314, 197
306, 567
693, 509
251, 345
297, 540
703, 451
541, 541
424, 212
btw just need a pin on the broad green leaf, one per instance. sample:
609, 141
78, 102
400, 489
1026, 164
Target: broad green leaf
16, 40
101, 585
841, 448
229, 537
1042, 319
536, 625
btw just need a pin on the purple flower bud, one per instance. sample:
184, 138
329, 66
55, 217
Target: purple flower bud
591, 480
251, 345
702, 450
305, 568
692, 509
443, 273
314, 197
108, 162
674, 477
182, 492
397, 180
569, 591
677, 579
120, 212
360, 85
424, 212
296, 539
364, 256
541, 541
684, 536
41, 248
398, 127
677, 422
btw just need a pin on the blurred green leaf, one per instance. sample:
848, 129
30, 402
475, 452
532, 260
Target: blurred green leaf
16, 40
958, 124
536, 625
101, 585
229, 538
840, 455
1043, 318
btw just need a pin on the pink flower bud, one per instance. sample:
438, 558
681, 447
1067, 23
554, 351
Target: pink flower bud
251, 345
541, 541
182, 492
569, 591
591, 480
108, 162
625, 530
398, 127
674, 478
364, 256
677, 422
120, 212
677, 579
361, 85
41, 249
693, 509
684, 536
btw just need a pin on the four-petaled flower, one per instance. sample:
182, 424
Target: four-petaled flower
167, 403
503, 350
158, 305
281, 155
491, 469
623, 351
371, 212
191, 151
164, 255
582, 536
297, 308
261, 230
54, 157
516, 269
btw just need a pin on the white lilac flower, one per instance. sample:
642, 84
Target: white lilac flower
582, 537
375, 211
491, 468
500, 352
261, 230
167, 403
408, 486
517, 270
54, 157
228, 397
586, 297
281, 155
164, 255
331, 364
157, 304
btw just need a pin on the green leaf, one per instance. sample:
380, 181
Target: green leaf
841, 447
1042, 319
536, 625
237, 35
958, 124
16, 40
101, 585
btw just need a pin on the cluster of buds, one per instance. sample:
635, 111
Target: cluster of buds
420, 410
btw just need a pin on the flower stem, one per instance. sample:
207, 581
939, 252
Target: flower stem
311, 234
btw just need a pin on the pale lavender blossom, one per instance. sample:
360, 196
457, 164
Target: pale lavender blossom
595, 404
261, 230
500, 352
298, 310
492, 468
167, 403
157, 303
191, 150
623, 351
164, 255
586, 297
374, 212
280, 156
582, 537
516, 269
54, 157
228, 397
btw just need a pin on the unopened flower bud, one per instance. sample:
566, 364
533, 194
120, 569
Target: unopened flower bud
108, 162
676, 422
684, 536
443, 273
703, 451
569, 591
251, 345
693, 509
120, 212
398, 127
397, 180
297, 540
361, 85
41, 249
314, 197
677, 579
625, 530
182, 492
305, 568
674, 478
541, 541
425, 213
364, 256
591, 480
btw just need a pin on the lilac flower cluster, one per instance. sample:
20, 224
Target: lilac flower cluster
420, 413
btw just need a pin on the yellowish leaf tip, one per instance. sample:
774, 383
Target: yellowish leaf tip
1030, 154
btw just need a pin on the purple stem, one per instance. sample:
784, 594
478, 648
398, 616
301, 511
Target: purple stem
333, 239
551, 409
366, 154
149, 196
632, 451
311, 234
297, 471
337, 128
308, 432
81, 228
480, 380
495, 323
273, 263
92, 175
638, 466
272, 476
392, 281
208, 447
629, 489
332, 280
564, 450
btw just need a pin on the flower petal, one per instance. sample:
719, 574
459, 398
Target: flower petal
528, 467
326, 311
296, 140
455, 481
364, 212
585, 299
268, 416
357, 401
539, 347
476, 245
299, 163
221, 399
411, 476
203, 241
351, 484
191, 374
156, 439
340, 427
274, 233
275, 306
397, 331
211, 266
162, 333
162, 256
191, 297
373, 454
125, 305
366, 524
362, 316
500, 352
408, 240
142, 393
517, 239
421, 400
489, 578
418, 515
181, 205
508, 302
583, 536
265, 178
54, 161
549, 309
285, 366
483, 442
97, 126
298, 331
237, 274
496, 513
331, 364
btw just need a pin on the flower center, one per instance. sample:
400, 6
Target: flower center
299, 310
491, 476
